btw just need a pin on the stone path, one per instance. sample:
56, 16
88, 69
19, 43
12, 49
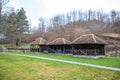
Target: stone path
71, 62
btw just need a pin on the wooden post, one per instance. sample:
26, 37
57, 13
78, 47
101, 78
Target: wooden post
104, 49
72, 50
39, 48
95, 51
63, 49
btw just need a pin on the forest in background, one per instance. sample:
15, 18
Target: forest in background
16, 29
77, 22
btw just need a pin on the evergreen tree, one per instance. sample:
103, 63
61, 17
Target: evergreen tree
22, 22
17, 25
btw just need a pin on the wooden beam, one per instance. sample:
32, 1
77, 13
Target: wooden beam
63, 49
72, 49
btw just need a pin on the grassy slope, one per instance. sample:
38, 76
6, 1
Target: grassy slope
22, 68
107, 61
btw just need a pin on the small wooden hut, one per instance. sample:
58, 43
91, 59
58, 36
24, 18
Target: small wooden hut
88, 44
59, 45
38, 45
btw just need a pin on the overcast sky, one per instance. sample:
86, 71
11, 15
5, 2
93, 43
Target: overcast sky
48, 8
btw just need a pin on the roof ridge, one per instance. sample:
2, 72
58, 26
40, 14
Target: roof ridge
52, 41
63, 40
101, 39
80, 37
67, 40
93, 36
76, 39
39, 40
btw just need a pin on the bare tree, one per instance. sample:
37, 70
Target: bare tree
74, 16
68, 18
42, 23
80, 16
113, 16
2, 4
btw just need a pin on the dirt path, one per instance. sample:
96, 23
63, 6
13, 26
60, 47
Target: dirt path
71, 62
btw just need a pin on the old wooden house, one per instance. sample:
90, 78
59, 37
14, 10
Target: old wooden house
88, 44
38, 45
59, 45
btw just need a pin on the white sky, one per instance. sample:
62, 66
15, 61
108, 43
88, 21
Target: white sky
48, 8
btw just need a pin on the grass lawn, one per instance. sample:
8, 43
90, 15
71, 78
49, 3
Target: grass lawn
106, 61
22, 68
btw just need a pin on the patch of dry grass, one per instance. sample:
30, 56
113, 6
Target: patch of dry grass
21, 68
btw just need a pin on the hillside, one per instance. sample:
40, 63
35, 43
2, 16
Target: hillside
113, 46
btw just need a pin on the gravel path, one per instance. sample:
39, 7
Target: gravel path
71, 62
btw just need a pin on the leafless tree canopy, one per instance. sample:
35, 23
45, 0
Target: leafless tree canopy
78, 22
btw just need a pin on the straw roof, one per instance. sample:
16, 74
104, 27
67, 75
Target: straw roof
39, 40
59, 41
88, 38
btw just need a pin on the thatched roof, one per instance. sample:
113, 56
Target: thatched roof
59, 41
89, 39
39, 40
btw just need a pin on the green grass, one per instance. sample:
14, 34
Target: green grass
22, 68
106, 61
